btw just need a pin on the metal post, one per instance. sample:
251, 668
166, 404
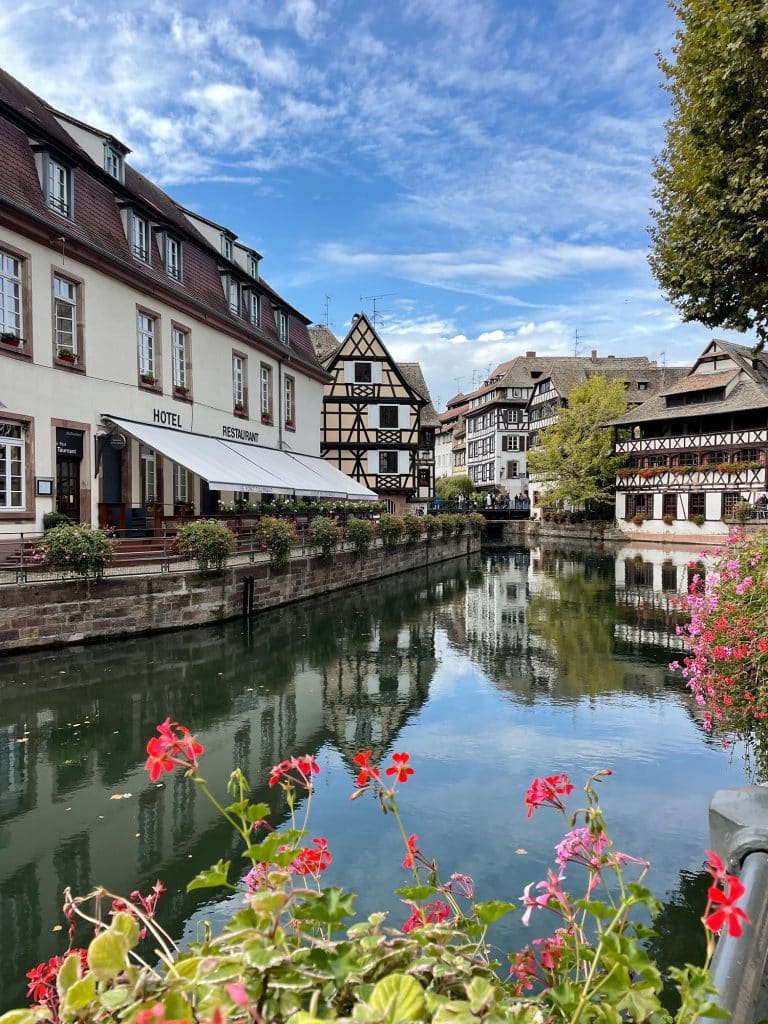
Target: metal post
165, 567
21, 572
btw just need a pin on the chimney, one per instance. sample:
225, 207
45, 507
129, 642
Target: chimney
594, 355
530, 355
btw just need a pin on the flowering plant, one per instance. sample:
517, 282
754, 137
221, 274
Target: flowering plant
76, 548
290, 952
324, 536
207, 542
390, 530
727, 663
277, 536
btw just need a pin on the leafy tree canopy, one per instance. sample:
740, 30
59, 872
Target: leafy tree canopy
450, 487
710, 240
574, 458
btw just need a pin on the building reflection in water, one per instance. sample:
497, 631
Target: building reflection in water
76, 808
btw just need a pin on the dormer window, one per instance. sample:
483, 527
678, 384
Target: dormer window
113, 162
253, 266
138, 236
254, 308
226, 246
642, 385
172, 256
282, 327
58, 186
232, 293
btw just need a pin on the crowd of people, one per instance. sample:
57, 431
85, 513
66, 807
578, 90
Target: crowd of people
490, 501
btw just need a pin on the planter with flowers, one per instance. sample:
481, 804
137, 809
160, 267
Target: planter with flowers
11, 339
180, 391
67, 355
148, 378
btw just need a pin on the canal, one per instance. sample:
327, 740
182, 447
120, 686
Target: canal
488, 672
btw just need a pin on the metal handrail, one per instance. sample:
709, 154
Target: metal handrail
738, 966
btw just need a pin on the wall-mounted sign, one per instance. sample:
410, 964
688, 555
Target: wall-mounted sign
44, 486
69, 443
166, 419
117, 441
238, 434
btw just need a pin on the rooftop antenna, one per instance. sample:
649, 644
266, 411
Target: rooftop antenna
375, 312
576, 343
328, 312
663, 360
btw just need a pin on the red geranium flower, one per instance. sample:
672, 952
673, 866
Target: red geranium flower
726, 911
401, 769
368, 772
412, 849
548, 791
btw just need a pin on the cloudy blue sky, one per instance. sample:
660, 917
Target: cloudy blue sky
482, 165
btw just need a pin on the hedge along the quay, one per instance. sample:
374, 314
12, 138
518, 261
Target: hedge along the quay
291, 951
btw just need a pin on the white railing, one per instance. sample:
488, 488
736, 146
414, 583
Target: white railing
717, 439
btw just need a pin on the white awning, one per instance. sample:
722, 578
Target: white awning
233, 466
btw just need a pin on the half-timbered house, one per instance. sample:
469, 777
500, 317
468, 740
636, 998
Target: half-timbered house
698, 448
378, 422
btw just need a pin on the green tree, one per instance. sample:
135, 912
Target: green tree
574, 460
710, 240
450, 487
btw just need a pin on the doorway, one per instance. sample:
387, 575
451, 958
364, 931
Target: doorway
68, 488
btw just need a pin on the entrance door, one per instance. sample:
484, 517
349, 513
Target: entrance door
68, 487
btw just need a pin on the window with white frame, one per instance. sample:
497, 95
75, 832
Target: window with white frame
58, 180
173, 257
180, 485
290, 402
139, 236
113, 162
238, 382
232, 290
226, 247
253, 266
179, 359
10, 296
146, 328
254, 308
148, 461
266, 392
64, 316
11, 467
282, 327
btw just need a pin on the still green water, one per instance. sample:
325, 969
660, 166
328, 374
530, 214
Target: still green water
487, 672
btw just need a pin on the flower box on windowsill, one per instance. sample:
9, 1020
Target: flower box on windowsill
148, 379
290, 425
181, 392
266, 418
12, 340
240, 409
67, 355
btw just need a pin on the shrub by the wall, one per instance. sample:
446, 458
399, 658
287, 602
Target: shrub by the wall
207, 542
323, 536
78, 549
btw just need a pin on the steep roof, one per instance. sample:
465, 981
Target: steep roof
702, 382
414, 376
746, 395
324, 342
97, 223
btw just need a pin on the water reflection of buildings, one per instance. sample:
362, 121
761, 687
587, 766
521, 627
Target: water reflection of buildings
576, 622
73, 726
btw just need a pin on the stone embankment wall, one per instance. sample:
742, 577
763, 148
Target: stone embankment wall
53, 613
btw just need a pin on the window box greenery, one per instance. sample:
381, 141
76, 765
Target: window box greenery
148, 378
67, 355
668, 519
9, 338
180, 390
239, 408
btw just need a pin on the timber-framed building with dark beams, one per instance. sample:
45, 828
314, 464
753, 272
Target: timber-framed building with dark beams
378, 421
